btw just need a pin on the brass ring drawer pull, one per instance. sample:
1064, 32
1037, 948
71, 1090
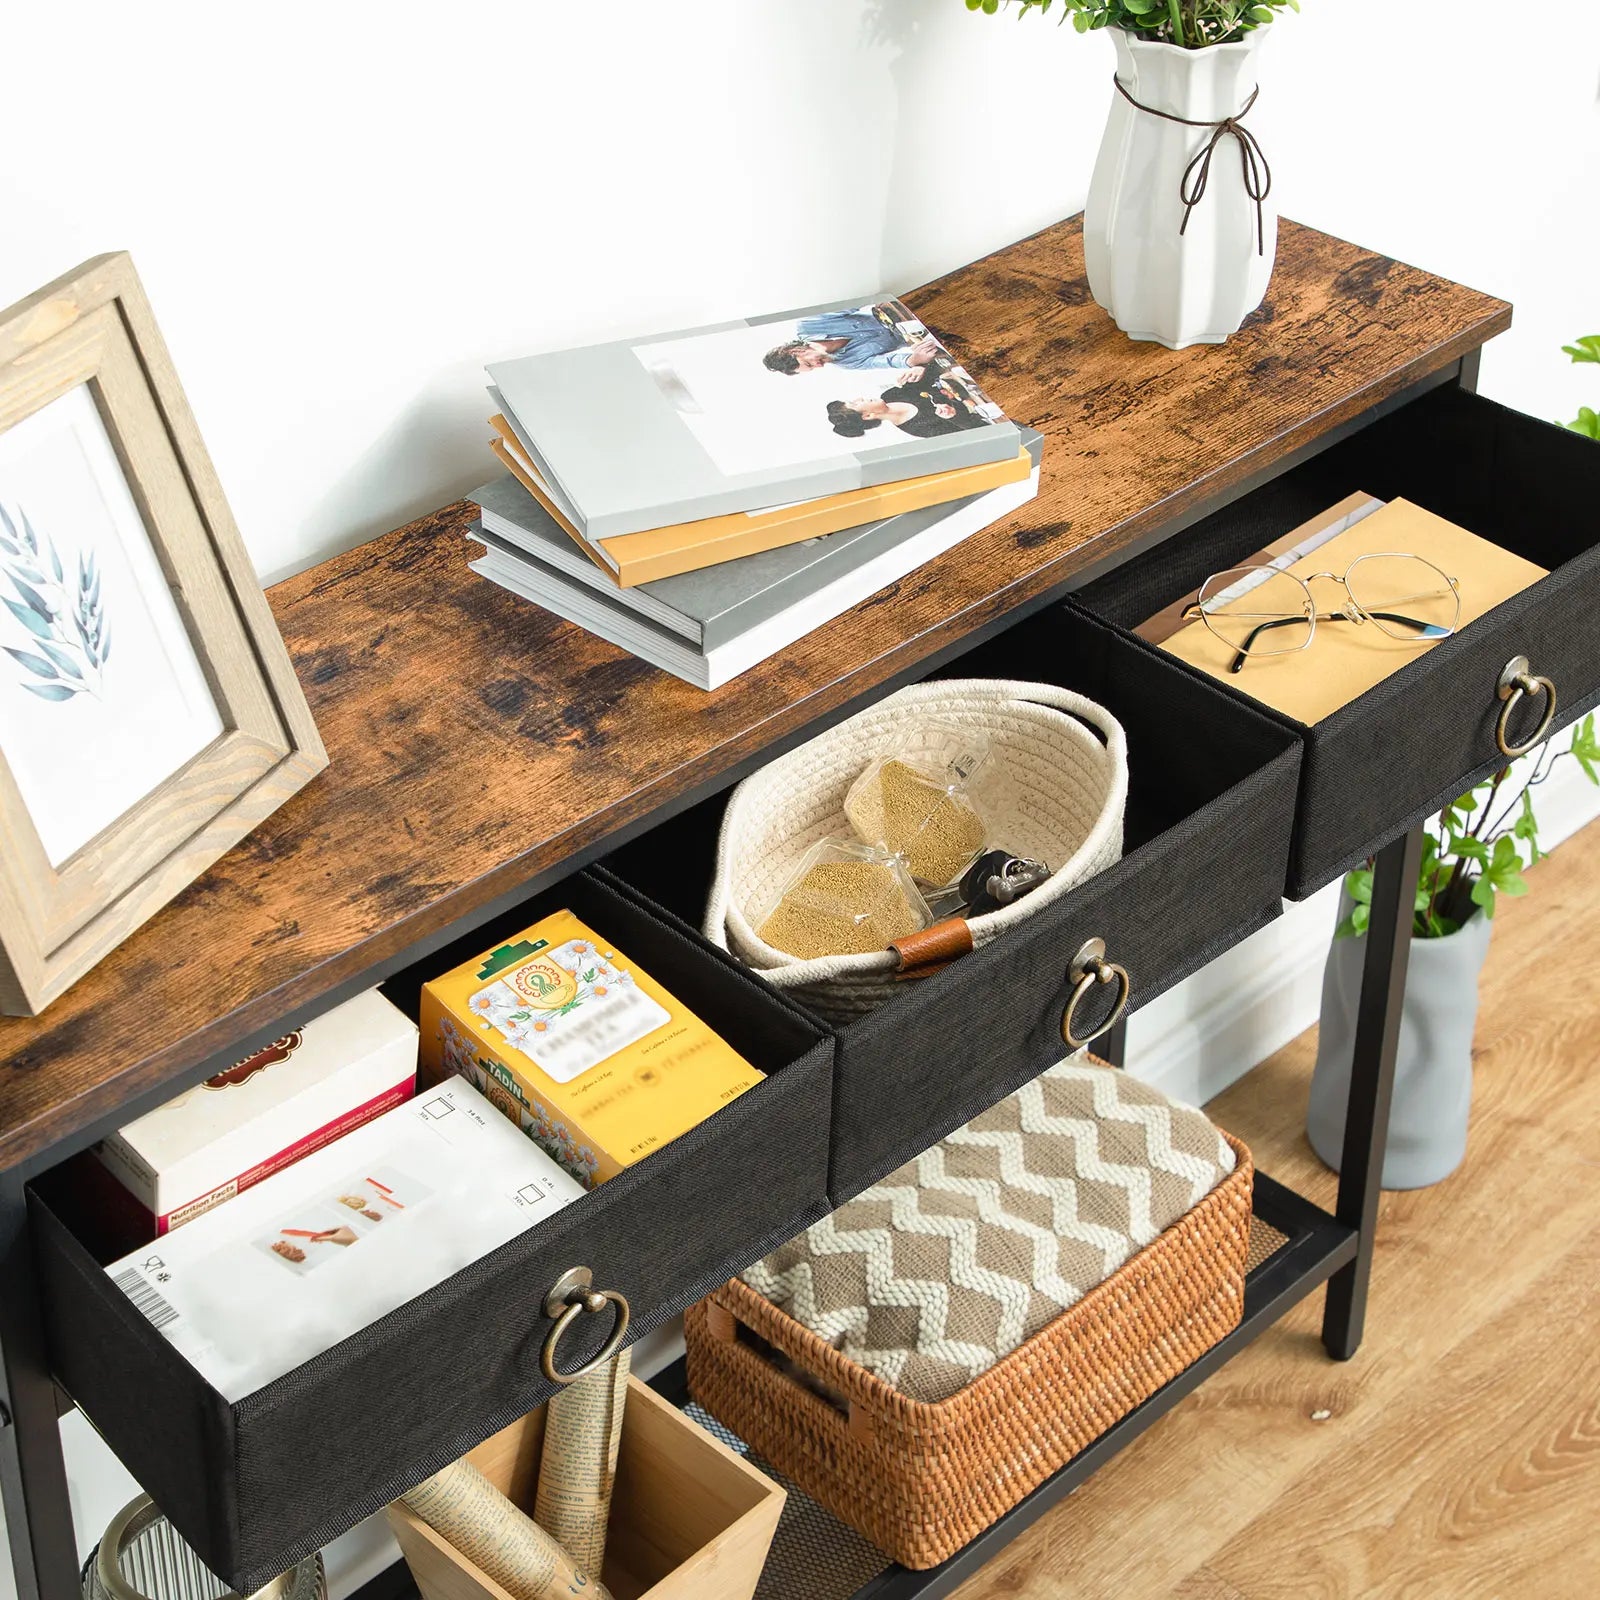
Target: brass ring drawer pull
1090, 970
1518, 681
574, 1296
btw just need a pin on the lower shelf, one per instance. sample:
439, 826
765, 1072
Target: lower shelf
1300, 1248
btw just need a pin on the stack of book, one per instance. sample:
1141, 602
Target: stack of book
706, 498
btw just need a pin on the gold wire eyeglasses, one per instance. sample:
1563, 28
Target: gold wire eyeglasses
1265, 611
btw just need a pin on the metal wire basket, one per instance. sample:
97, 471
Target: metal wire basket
142, 1557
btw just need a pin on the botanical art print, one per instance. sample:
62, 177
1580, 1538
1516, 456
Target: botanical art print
103, 697
65, 637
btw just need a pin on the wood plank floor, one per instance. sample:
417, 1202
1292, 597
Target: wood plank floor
1457, 1457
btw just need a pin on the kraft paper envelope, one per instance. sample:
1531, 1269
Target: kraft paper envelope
1344, 660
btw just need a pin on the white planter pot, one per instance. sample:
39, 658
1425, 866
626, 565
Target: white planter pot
1433, 1065
1197, 286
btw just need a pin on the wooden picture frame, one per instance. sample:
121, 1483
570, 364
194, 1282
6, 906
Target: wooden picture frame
119, 661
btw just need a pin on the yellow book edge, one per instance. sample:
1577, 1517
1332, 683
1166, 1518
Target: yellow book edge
635, 558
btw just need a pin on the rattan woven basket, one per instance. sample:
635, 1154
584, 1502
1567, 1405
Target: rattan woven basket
921, 1480
1065, 786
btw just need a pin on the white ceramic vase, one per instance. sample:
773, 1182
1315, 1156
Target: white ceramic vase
1433, 1064
1195, 286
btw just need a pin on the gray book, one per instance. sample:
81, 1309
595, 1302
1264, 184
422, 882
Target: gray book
647, 433
751, 635
714, 606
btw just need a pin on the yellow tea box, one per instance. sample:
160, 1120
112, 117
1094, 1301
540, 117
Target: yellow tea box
585, 1052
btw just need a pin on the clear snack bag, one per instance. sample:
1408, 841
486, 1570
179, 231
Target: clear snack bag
844, 898
925, 801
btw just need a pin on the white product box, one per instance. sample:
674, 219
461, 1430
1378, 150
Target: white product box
272, 1109
311, 1256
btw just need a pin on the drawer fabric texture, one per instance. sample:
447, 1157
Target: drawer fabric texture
1211, 795
258, 1484
957, 1249
1394, 755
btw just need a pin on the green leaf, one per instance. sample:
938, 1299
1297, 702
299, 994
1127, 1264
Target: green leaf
29, 618
1586, 349
32, 596
1586, 749
37, 665
1468, 848
61, 658
1587, 422
51, 691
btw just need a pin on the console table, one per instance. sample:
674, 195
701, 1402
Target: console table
482, 751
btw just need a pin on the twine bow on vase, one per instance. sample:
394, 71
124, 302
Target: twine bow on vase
1197, 175
1176, 250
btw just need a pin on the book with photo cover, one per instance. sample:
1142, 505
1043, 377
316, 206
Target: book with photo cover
708, 627
645, 433
635, 558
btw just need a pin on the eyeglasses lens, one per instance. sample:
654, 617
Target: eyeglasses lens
1405, 596
1259, 610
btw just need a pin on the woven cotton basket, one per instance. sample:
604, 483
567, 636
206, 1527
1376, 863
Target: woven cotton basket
1065, 767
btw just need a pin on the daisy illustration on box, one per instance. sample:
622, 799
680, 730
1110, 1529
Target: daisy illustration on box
567, 1009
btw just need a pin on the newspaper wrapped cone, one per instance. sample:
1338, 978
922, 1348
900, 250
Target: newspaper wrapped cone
582, 1426
468, 1512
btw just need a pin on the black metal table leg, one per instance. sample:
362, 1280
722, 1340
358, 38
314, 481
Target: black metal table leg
1366, 1129
33, 1475
1112, 1045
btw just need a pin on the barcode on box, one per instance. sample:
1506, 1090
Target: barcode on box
154, 1307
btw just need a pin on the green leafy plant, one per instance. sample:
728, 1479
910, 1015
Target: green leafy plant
1478, 847
1587, 349
1192, 24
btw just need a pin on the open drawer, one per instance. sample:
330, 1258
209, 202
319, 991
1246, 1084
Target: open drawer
1211, 796
256, 1484
1390, 757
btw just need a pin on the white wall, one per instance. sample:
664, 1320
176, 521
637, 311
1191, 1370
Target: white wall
341, 212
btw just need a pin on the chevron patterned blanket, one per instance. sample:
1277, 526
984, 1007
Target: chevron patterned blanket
947, 1265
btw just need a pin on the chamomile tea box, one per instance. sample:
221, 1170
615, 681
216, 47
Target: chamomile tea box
580, 1047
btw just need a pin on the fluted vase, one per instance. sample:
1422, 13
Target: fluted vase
1168, 271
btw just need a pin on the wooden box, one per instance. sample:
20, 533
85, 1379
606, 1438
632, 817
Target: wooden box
690, 1519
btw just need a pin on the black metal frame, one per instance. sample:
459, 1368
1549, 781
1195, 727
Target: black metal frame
33, 1484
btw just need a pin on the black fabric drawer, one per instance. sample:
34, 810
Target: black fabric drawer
1388, 759
257, 1484
1211, 799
